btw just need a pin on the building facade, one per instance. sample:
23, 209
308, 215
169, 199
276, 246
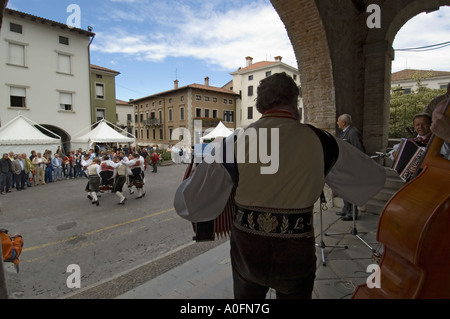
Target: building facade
44, 73
103, 94
246, 81
167, 118
407, 80
125, 116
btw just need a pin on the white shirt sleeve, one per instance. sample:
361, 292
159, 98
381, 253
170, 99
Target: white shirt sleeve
203, 196
355, 177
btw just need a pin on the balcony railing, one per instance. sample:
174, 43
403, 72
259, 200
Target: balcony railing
153, 122
208, 121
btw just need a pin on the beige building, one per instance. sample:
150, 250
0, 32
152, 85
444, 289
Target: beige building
246, 81
159, 115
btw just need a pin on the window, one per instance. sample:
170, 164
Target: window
154, 134
18, 97
268, 73
14, 27
206, 113
198, 97
100, 115
65, 101
17, 54
198, 112
214, 114
225, 101
250, 77
214, 100
250, 90
170, 100
170, 115
160, 134
250, 113
99, 91
64, 40
230, 102
64, 63
228, 116
99, 76
182, 98
181, 113
206, 98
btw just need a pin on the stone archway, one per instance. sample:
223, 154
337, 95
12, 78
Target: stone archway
345, 66
65, 137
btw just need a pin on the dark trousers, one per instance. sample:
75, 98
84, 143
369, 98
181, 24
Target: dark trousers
20, 180
287, 265
5, 181
348, 209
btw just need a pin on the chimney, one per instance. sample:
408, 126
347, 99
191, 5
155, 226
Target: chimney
207, 81
249, 60
278, 58
175, 86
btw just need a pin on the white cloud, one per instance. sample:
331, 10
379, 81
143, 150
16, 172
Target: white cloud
221, 38
423, 30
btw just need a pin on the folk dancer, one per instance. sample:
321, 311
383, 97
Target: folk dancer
107, 173
136, 179
94, 179
120, 178
85, 163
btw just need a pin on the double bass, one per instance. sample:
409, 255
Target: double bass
414, 229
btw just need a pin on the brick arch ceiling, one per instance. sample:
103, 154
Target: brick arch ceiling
345, 67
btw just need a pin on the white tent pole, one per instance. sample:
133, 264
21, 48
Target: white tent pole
119, 128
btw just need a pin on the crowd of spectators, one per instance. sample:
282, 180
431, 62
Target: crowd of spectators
41, 168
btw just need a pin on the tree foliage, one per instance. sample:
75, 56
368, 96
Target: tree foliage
403, 107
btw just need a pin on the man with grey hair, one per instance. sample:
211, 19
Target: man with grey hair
352, 135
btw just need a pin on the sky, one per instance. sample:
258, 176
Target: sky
154, 42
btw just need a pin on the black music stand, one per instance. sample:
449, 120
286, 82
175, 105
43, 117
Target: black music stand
354, 232
322, 245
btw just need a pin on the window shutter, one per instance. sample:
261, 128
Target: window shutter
16, 54
64, 64
15, 91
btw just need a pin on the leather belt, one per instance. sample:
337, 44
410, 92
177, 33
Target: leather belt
275, 224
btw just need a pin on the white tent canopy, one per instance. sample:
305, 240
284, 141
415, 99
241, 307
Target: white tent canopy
20, 135
220, 131
103, 133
